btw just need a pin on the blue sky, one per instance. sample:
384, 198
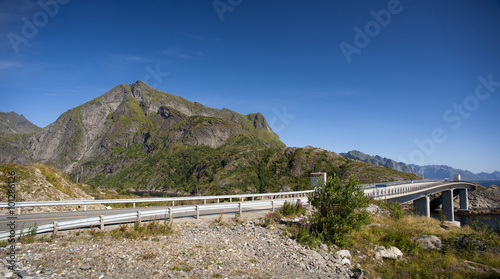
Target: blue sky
416, 81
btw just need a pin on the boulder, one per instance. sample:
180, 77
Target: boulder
391, 253
429, 242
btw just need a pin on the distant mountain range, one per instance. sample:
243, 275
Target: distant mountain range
429, 171
135, 137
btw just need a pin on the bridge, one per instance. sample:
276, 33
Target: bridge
402, 192
419, 192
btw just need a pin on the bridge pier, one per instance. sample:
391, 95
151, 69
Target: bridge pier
422, 206
464, 200
448, 205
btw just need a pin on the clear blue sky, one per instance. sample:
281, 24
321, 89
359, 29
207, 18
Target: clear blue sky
303, 64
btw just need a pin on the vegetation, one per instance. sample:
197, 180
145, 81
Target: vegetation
292, 210
467, 252
151, 229
340, 209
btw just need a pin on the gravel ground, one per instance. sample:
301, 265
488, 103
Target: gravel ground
202, 249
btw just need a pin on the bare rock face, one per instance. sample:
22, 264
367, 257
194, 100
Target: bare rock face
485, 199
137, 113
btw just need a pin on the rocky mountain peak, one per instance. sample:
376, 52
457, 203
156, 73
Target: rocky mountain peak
13, 123
137, 114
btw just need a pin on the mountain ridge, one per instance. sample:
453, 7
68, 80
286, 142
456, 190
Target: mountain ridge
428, 171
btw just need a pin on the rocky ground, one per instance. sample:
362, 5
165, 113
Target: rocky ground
207, 249
485, 200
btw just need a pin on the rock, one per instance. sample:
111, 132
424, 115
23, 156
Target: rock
429, 242
85, 267
23, 274
323, 247
377, 248
343, 254
391, 253
346, 261
374, 209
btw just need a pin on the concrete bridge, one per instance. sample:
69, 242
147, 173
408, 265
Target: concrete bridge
419, 192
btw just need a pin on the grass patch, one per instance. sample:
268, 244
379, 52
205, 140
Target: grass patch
463, 249
143, 231
292, 210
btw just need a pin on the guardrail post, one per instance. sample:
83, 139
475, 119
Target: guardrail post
205, 201
230, 199
19, 211
240, 207
170, 214
272, 204
139, 217
84, 207
133, 205
218, 201
173, 203
102, 222
197, 212
55, 227
253, 198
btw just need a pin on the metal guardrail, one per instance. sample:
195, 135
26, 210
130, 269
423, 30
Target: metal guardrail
395, 183
138, 216
169, 199
388, 191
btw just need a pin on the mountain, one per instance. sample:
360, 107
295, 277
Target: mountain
429, 171
377, 160
15, 130
13, 123
136, 137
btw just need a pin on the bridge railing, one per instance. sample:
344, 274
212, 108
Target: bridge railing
396, 183
390, 190
173, 200
140, 215
366, 187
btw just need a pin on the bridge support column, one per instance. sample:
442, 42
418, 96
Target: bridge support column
448, 205
422, 206
464, 200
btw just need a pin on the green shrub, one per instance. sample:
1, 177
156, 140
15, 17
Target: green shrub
303, 234
291, 210
340, 209
399, 239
